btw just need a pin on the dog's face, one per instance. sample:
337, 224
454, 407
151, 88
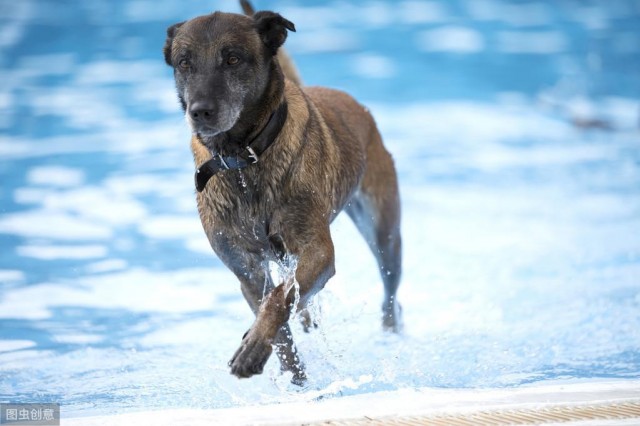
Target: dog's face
222, 65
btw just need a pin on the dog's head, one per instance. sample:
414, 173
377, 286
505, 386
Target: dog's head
222, 65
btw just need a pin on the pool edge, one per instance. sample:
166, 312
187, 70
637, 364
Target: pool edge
602, 402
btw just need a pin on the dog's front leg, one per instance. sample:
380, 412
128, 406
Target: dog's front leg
288, 355
270, 327
315, 267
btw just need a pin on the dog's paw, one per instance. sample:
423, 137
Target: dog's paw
392, 317
299, 378
290, 361
251, 356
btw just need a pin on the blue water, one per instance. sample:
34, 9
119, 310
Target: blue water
521, 230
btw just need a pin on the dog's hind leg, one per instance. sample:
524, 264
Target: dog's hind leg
375, 209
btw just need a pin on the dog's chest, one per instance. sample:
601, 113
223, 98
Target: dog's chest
240, 208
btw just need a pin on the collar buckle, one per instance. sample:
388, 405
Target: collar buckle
252, 154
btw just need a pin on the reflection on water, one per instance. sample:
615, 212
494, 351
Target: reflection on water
522, 256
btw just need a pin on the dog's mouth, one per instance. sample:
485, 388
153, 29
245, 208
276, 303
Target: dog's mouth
206, 132
201, 129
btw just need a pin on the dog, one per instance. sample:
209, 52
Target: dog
275, 163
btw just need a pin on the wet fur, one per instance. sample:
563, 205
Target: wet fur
327, 158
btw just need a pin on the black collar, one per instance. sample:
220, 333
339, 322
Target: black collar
250, 155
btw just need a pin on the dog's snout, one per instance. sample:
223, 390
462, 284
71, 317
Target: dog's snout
201, 112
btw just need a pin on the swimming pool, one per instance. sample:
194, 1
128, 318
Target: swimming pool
521, 229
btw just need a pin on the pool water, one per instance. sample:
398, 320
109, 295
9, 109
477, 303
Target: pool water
521, 228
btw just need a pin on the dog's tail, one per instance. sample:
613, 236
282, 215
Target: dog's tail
247, 8
286, 63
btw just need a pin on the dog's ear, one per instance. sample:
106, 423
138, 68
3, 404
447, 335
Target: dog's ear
171, 32
272, 29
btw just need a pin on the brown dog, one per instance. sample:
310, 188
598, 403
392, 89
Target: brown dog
276, 163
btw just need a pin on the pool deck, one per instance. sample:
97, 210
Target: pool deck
595, 403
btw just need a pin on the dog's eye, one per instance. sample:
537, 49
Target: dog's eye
183, 64
232, 60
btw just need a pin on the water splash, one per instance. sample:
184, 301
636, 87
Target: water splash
296, 299
266, 287
284, 272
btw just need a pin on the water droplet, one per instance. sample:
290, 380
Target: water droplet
243, 181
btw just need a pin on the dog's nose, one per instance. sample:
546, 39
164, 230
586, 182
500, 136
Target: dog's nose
201, 112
